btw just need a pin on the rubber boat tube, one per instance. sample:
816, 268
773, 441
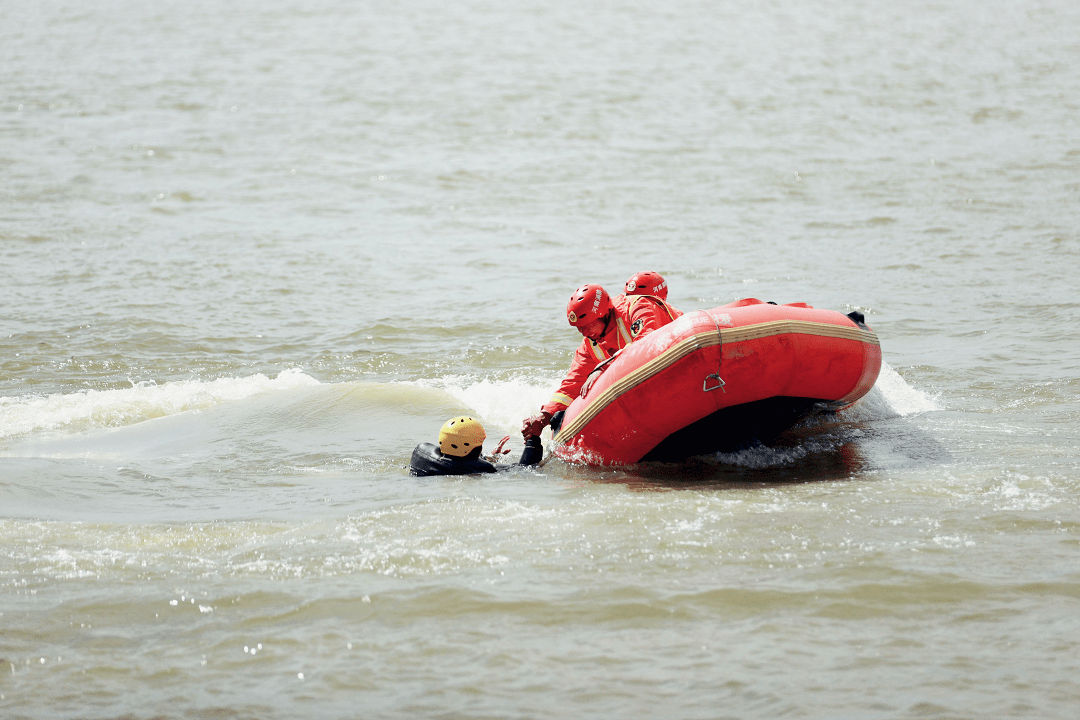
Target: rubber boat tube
720, 380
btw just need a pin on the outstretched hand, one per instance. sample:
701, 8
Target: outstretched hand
499, 448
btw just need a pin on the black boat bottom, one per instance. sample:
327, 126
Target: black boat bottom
735, 428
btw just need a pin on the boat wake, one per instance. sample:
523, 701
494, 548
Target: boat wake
91, 409
890, 398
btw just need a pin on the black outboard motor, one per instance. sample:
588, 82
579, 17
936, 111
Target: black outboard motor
427, 459
858, 318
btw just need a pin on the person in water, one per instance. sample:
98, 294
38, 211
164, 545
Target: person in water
460, 451
607, 325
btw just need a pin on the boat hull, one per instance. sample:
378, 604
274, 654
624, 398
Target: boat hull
718, 380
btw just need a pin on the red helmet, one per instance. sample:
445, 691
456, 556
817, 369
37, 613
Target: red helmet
588, 304
647, 283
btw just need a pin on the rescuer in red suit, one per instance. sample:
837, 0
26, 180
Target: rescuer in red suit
608, 325
648, 283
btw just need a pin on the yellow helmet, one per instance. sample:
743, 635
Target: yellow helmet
460, 436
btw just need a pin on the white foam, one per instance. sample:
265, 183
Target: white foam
504, 403
88, 409
760, 457
891, 397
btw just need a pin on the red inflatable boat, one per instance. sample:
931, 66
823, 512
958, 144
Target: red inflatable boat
720, 380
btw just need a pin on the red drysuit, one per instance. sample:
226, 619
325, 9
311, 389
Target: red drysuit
632, 318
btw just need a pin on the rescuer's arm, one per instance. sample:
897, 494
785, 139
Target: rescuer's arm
584, 362
596, 374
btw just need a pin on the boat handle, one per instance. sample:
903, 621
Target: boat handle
716, 375
718, 386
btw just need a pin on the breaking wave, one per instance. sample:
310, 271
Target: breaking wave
88, 409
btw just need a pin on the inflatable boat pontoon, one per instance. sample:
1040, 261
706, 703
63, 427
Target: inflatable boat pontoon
718, 381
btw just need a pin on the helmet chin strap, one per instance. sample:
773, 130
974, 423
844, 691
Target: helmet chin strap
607, 322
